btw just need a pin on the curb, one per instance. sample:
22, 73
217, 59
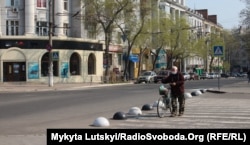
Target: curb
27, 88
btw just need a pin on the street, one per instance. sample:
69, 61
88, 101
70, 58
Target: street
33, 112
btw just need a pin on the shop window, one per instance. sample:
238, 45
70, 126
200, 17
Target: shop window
45, 66
75, 64
91, 64
105, 60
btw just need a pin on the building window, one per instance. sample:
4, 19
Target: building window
41, 3
91, 64
45, 66
119, 59
65, 5
119, 36
11, 3
105, 64
91, 32
75, 64
12, 28
65, 29
42, 28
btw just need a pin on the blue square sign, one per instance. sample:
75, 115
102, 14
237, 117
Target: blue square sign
218, 51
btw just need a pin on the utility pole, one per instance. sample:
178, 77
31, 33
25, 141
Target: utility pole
51, 5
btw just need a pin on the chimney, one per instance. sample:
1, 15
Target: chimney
213, 18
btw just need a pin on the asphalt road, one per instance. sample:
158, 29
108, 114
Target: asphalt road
31, 113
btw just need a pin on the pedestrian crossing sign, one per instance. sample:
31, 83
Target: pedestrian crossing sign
55, 55
218, 51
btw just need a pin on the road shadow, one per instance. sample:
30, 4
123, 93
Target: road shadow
216, 91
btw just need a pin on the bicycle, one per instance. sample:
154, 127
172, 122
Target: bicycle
164, 102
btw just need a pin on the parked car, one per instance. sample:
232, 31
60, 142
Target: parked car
211, 76
224, 75
244, 74
234, 74
217, 75
147, 77
186, 76
194, 76
239, 75
160, 75
204, 75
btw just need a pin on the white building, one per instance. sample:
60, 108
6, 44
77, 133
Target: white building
24, 39
196, 22
78, 51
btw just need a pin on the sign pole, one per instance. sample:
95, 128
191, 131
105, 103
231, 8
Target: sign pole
218, 51
219, 73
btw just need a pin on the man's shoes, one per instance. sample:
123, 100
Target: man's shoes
180, 114
173, 115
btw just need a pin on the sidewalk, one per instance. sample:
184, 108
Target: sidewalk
31, 87
242, 87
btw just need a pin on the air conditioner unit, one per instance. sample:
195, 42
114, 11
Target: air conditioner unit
14, 10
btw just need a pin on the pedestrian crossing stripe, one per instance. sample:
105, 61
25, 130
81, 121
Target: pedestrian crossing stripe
218, 50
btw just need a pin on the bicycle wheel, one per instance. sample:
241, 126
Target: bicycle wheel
163, 107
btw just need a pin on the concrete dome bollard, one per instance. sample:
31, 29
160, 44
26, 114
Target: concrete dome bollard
135, 111
147, 107
119, 116
203, 90
198, 92
101, 122
194, 93
187, 95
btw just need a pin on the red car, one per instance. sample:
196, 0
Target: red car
161, 74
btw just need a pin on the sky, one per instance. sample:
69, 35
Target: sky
227, 11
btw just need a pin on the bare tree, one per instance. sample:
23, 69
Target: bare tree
245, 13
232, 42
132, 25
104, 13
179, 40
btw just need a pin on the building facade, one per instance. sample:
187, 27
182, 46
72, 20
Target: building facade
77, 50
24, 43
205, 27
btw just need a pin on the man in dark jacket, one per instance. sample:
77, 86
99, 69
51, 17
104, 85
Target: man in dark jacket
176, 81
